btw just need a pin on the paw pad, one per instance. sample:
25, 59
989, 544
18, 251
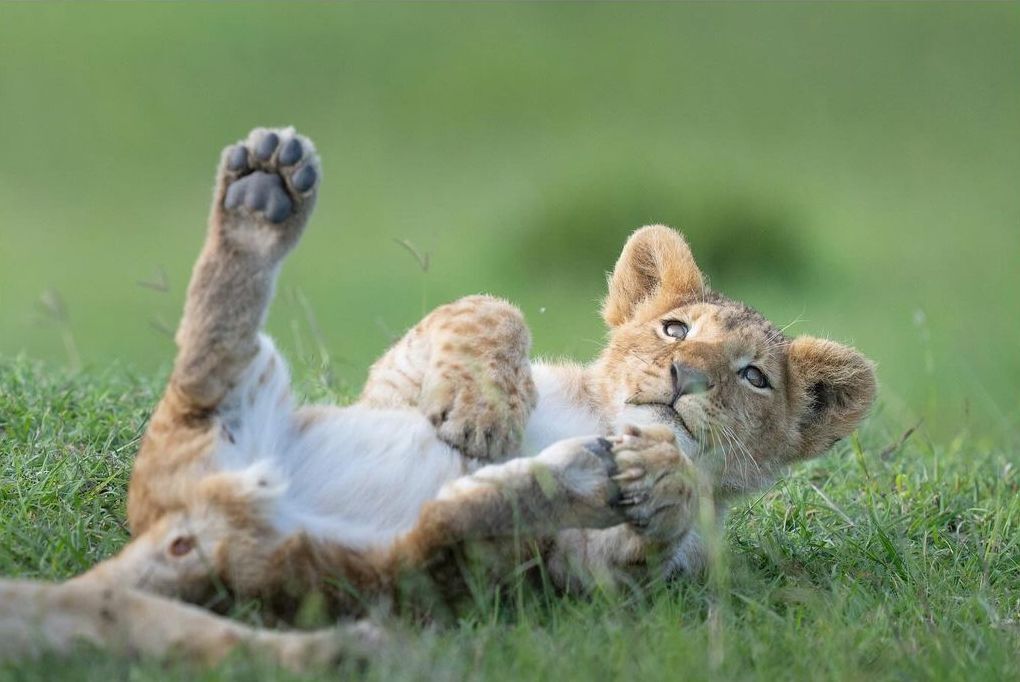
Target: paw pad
291, 152
304, 179
261, 192
237, 159
265, 148
271, 176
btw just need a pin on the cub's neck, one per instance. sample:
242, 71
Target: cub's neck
572, 402
577, 400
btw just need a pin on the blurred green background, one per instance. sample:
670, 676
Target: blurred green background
852, 168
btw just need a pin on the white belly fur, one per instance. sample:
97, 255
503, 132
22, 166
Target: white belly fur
557, 416
359, 475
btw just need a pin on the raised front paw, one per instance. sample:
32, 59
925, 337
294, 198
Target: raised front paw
267, 187
657, 482
480, 413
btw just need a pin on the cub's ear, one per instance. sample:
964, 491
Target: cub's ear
832, 388
656, 269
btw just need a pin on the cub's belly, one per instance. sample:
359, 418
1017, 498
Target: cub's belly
360, 476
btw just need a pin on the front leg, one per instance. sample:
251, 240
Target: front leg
466, 367
638, 479
658, 498
265, 192
658, 484
485, 526
570, 484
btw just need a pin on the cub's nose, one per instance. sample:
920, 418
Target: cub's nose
687, 380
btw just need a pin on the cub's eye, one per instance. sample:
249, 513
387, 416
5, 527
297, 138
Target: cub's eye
181, 545
754, 376
676, 329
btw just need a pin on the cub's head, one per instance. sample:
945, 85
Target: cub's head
743, 398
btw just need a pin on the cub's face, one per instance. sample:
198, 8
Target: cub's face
742, 398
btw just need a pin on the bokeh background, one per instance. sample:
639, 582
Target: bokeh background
850, 169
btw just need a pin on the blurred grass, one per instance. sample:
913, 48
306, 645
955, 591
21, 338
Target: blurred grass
850, 166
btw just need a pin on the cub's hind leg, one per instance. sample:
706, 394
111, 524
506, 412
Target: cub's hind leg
40, 619
471, 528
466, 367
265, 192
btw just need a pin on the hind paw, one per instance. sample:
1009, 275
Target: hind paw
267, 184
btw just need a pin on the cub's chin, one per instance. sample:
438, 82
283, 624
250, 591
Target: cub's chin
642, 415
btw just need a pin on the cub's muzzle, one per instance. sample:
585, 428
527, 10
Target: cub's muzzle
687, 381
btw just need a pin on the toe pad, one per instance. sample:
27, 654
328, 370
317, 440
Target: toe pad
304, 179
237, 158
291, 152
266, 146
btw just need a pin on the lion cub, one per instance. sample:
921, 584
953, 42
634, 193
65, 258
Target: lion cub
459, 445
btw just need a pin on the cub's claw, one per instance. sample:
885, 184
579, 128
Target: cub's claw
478, 426
603, 449
656, 482
482, 418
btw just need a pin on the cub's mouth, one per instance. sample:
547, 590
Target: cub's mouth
670, 414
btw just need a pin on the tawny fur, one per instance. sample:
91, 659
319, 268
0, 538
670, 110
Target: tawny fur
459, 447
39, 619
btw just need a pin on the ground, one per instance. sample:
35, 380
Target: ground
891, 558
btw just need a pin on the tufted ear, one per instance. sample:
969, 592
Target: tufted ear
832, 388
656, 269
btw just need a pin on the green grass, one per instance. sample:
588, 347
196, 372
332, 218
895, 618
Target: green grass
888, 559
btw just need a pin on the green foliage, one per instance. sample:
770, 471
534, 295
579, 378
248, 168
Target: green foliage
891, 558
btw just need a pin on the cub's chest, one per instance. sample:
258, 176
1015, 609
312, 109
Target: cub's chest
562, 411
